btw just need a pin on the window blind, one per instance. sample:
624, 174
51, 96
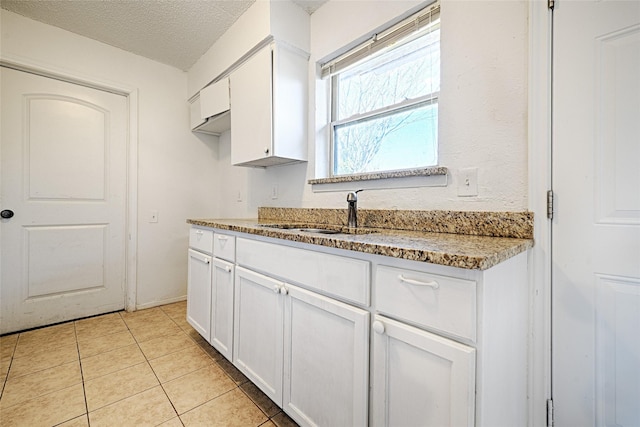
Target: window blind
425, 20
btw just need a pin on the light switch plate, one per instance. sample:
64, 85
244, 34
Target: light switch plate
468, 182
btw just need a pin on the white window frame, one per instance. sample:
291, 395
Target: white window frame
365, 51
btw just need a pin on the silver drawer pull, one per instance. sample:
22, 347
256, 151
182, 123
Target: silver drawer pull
223, 238
432, 284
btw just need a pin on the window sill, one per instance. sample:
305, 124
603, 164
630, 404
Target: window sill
434, 176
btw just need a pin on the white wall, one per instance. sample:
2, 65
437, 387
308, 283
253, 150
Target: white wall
483, 111
176, 170
260, 21
244, 34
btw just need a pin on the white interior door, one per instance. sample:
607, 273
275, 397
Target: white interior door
63, 157
596, 226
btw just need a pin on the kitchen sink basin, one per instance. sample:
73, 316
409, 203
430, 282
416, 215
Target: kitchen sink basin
282, 226
320, 229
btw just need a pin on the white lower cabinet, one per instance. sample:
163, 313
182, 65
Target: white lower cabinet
448, 346
307, 352
326, 360
259, 330
199, 292
420, 378
222, 291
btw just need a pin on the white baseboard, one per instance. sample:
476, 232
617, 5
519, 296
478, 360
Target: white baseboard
162, 302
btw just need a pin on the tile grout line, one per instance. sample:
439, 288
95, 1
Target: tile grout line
206, 354
237, 385
145, 361
154, 372
193, 338
204, 403
6, 378
84, 390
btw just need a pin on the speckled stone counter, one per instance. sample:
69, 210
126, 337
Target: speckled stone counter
433, 170
457, 239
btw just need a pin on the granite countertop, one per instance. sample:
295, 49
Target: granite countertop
467, 251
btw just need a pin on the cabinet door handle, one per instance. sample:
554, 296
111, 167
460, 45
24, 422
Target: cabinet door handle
207, 261
223, 238
227, 269
431, 284
266, 151
276, 289
283, 290
378, 327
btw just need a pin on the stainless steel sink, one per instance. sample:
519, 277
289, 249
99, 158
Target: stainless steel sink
321, 230
282, 226
330, 229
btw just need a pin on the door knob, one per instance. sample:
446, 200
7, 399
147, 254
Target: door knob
6, 213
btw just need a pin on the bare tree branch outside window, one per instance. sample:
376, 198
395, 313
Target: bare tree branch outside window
386, 83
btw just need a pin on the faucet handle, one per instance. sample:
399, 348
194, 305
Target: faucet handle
352, 196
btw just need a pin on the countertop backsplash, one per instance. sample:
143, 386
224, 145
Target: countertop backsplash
496, 224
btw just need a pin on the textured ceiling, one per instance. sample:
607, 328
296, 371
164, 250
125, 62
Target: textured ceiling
174, 32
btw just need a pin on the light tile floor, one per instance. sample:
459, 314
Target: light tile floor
146, 368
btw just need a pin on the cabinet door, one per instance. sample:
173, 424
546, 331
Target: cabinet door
251, 109
195, 118
199, 292
214, 99
420, 378
258, 331
222, 307
326, 360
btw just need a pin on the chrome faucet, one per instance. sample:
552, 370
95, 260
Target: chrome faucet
352, 200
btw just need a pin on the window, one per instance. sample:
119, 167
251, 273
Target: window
384, 99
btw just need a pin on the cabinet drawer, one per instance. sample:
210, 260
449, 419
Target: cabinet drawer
444, 303
224, 246
201, 239
331, 275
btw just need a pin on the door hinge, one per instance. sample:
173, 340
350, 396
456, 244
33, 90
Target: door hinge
550, 204
549, 413
551, 4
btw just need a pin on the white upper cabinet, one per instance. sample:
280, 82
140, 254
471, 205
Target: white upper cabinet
195, 119
281, 20
214, 99
213, 109
269, 108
